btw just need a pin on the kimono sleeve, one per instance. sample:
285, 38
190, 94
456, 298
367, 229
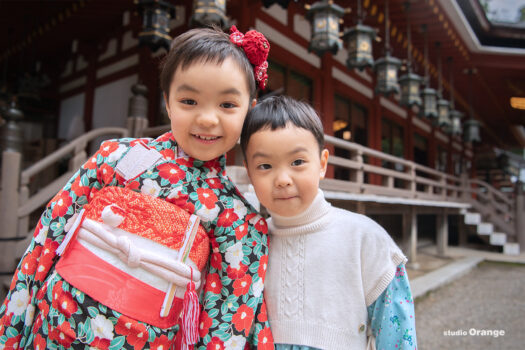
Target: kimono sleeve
392, 317
18, 309
234, 312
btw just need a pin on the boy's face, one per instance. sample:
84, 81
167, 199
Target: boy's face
207, 106
285, 167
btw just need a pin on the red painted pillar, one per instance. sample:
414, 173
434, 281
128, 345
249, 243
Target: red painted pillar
326, 93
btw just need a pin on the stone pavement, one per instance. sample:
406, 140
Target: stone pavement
470, 300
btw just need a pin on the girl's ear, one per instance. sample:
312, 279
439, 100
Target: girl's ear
324, 162
254, 102
166, 104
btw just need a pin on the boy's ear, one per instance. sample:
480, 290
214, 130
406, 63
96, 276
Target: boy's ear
324, 162
166, 104
254, 102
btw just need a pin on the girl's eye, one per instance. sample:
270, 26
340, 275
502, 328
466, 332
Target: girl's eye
298, 162
228, 105
264, 166
189, 102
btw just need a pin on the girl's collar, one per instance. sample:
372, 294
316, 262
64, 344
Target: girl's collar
167, 141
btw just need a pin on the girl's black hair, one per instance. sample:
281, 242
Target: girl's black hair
204, 45
277, 112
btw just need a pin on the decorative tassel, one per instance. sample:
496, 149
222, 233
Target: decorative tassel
190, 316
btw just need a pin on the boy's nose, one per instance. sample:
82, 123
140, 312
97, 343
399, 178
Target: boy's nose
283, 179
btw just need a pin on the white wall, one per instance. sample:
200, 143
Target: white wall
71, 118
111, 104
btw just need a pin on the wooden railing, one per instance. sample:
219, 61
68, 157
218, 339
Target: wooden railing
15, 215
377, 173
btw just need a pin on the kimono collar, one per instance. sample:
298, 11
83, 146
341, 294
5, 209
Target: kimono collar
167, 145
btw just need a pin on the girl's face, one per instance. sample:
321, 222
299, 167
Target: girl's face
285, 167
207, 106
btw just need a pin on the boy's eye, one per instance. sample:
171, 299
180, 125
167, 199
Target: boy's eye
189, 102
298, 162
228, 105
264, 166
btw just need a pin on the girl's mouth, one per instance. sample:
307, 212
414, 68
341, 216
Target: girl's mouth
206, 138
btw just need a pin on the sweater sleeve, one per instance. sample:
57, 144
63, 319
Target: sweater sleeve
17, 311
234, 312
391, 316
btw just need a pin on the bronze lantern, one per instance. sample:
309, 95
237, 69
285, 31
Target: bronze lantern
359, 40
455, 118
156, 16
409, 82
471, 131
386, 67
429, 103
324, 17
443, 113
209, 12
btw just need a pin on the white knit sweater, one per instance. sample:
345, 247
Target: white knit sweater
326, 266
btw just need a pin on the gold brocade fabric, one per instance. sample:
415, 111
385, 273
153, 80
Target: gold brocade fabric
151, 218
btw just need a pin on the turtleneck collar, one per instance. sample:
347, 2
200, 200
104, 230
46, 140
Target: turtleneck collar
310, 220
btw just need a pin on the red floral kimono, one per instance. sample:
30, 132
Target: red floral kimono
42, 310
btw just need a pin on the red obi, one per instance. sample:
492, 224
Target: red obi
125, 252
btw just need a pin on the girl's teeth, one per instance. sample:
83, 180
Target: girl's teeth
206, 138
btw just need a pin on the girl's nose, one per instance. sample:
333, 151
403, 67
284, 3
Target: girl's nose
207, 119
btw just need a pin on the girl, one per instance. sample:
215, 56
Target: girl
333, 276
185, 167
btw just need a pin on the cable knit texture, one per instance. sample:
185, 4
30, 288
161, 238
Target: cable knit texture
326, 266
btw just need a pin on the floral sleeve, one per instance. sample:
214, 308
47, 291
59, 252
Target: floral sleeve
392, 315
234, 311
18, 309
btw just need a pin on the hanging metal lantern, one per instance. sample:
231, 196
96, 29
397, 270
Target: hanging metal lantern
283, 3
443, 114
359, 40
471, 131
429, 99
209, 12
410, 89
455, 117
324, 19
386, 68
410, 82
156, 16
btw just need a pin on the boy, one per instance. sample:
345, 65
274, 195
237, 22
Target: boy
334, 277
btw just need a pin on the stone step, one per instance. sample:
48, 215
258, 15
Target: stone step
511, 249
485, 228
498, 238
472, 218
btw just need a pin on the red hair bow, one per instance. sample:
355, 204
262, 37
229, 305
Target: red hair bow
256, 47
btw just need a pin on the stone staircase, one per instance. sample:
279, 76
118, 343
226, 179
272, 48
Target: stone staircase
488, 233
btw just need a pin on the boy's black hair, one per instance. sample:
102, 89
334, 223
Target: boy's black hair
277, 112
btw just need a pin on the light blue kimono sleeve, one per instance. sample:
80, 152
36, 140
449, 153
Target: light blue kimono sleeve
392, 317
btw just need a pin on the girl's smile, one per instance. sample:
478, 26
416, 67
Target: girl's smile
207, 106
